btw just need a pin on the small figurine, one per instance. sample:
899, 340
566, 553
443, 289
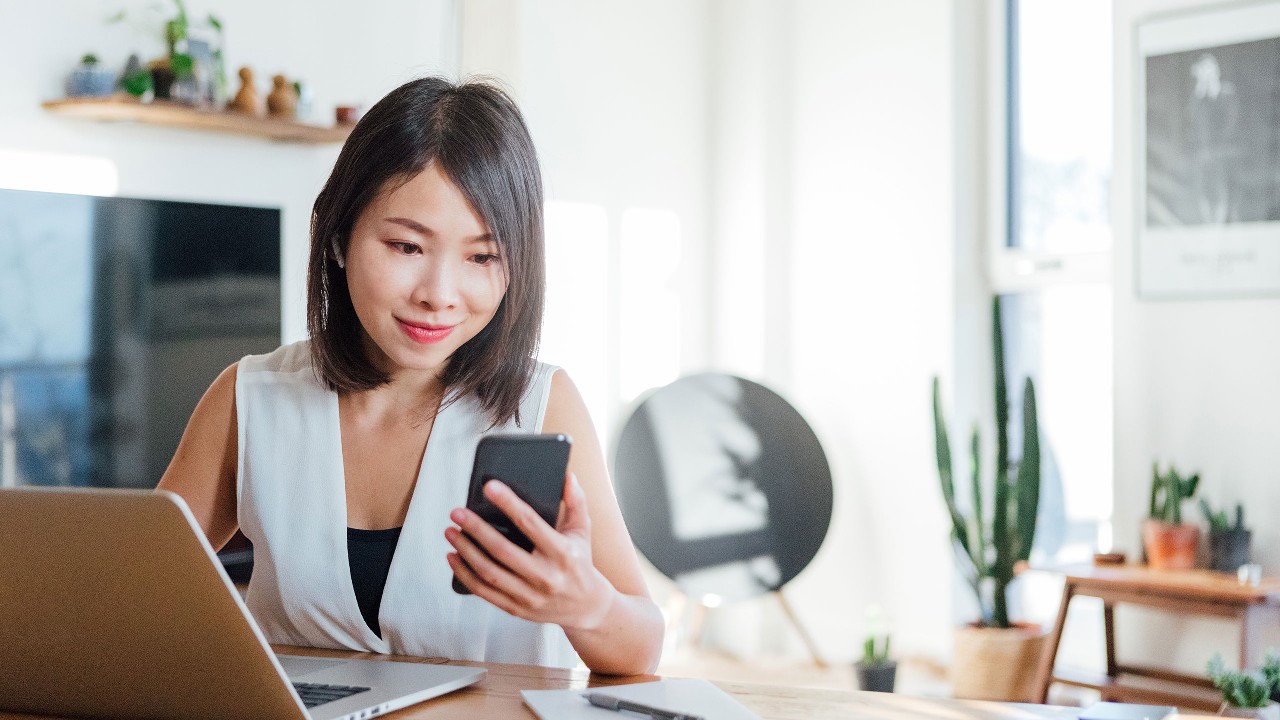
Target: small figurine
246, 100
283, 100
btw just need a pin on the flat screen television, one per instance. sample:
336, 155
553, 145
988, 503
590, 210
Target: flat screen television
115, 315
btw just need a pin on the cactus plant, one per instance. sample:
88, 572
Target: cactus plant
1217, 519
1245, 688
1167, 493
875, 650
988, 552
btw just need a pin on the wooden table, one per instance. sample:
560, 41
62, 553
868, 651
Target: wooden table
1186, 592
497, 696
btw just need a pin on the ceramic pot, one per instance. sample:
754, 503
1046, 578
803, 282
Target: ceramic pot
1229, 549
1170, 547
997, 663
1270, 712
162, 82
90, 81
876, 678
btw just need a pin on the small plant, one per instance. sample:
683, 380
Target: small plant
875, 650
1218, 520
1167, 493
1245, 688
89, 60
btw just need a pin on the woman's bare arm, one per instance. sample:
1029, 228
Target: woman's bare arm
584, 574
203, 470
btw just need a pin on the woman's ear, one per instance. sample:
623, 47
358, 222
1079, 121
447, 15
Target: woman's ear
336, 252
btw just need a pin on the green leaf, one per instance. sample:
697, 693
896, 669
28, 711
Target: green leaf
137, 83
942, 445
215, 22
979, 513
1028, 488
1154, 512
181, 64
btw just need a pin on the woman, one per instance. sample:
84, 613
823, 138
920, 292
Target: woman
340, 457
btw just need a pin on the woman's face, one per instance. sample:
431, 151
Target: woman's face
424, 273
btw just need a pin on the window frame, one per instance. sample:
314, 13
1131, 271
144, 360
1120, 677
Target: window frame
1013, 269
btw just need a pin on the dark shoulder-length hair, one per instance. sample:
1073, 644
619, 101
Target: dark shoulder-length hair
477, 137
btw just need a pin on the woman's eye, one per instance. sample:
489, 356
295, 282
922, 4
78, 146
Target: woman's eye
406, 247
485, 259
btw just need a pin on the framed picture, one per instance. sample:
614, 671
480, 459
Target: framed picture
1208, 165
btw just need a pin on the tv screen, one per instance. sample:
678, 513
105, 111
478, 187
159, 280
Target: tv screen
115, 315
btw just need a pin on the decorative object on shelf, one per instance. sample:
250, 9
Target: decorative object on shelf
306, 98
994, 658
1108, 558
1247, 693
192, 70
216, 67
162, 78
136, 79
1228, 544
282, 102
347, 114
90, 79
247, 100
875, 671
1250, 574
1170, 544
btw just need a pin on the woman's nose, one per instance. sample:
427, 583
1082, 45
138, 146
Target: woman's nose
438, 286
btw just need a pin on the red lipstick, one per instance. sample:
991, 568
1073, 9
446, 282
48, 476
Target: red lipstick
425, 334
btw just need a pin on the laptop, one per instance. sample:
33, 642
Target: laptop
112, 604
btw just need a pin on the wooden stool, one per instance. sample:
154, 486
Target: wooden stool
1188, 592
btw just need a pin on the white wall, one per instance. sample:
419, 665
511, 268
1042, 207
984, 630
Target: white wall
1195, 384
349, 53
808, 148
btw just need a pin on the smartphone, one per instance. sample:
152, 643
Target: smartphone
533, 466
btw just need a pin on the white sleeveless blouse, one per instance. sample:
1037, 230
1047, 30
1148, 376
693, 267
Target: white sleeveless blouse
291, 498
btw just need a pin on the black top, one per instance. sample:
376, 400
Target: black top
369, 552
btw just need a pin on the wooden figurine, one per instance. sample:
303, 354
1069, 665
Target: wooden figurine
246, 100
283, 100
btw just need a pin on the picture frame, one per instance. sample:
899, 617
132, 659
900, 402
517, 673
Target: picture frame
1207, 131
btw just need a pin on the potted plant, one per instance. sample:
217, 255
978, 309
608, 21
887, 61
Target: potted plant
1228, 544
175, 71
90, 79
875, 671
1170, 544
994, 658
1247, 693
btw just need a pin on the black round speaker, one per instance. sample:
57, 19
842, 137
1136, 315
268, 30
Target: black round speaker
723, 485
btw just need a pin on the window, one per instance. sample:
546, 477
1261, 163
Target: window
1050, 255
613, 306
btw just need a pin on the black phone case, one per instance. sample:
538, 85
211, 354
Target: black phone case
533, 466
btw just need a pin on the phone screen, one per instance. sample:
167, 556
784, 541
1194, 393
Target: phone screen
533, 466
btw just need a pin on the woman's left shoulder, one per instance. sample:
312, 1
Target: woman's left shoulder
565, 406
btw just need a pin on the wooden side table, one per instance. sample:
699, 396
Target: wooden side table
1188, 592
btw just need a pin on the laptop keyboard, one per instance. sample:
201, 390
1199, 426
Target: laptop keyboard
317, 694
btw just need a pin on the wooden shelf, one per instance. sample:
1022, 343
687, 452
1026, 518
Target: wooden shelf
117, 109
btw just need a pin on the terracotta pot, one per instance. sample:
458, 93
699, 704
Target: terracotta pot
1170, 547
997, 663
